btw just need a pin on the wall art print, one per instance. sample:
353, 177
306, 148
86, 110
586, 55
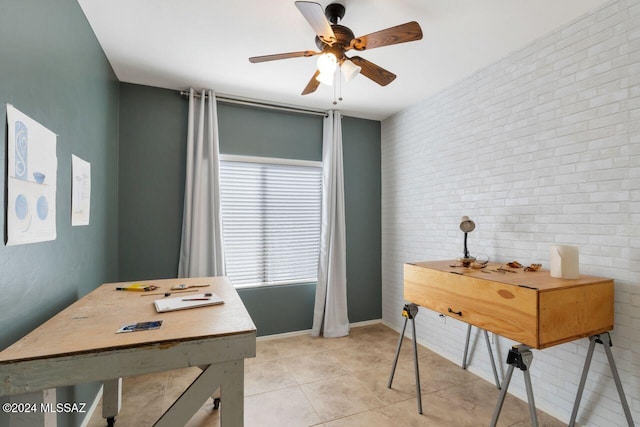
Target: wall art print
31, 181
80, 191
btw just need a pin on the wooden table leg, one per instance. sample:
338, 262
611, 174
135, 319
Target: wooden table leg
111, 399
42, 405
232, 396
230, 377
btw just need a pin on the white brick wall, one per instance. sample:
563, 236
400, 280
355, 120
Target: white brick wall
542, 147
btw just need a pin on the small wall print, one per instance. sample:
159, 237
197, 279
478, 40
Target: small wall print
81, 191
32, 174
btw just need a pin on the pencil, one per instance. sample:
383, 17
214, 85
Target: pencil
168, 292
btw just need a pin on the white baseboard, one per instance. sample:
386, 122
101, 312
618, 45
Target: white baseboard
308, 331
365, 323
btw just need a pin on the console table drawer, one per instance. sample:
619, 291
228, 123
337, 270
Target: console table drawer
530, 308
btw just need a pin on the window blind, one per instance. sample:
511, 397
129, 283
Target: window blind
271, 222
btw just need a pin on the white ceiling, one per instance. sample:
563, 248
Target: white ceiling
177, 44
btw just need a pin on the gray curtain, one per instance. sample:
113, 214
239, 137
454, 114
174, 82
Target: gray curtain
201, 248
330, 312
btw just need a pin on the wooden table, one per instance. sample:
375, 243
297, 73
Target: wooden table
80, 345
529, 307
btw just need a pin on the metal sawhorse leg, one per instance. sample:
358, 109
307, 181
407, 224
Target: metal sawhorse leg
493, 363
605, 340
409, 312
520, 356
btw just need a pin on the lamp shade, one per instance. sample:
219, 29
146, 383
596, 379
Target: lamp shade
349, 69
467, 225
326, 78
327, 63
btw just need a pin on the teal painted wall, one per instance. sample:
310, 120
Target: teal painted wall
147, 253
153, 129
260, 132
53, 69
362, 193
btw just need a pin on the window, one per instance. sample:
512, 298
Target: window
271, 211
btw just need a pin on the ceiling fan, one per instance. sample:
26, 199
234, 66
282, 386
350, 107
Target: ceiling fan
335, 40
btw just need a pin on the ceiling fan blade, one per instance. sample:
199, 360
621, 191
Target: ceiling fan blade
314, 14
312, 85
373, 71
408, 32
264, 58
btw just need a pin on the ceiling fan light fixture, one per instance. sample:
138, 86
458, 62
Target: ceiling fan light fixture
327, 63
334, 40
350, 70
326, 78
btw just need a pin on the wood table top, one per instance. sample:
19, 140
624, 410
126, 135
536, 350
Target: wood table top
540, 280
89, 325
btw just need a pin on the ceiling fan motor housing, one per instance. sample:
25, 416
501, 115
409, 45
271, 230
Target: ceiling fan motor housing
343, 38
334, 12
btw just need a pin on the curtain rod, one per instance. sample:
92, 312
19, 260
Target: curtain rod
259, 104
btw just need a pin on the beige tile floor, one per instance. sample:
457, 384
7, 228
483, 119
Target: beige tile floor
341, 382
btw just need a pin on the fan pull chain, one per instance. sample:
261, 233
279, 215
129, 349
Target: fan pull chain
337, 86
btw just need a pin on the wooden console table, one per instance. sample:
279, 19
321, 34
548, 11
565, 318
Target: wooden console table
529, 307
80, 345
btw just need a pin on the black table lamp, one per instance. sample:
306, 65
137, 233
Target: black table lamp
467, 226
